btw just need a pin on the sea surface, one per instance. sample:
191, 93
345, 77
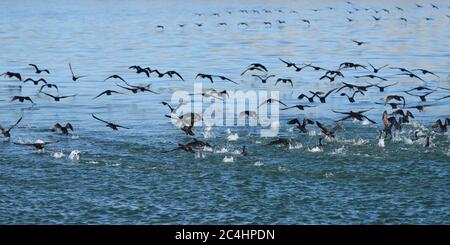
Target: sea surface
99, 176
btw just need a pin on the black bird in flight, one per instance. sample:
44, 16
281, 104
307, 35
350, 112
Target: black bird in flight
358, 42
12, 74
139, 88
173, 73
263, 79
351, 65
411, 75
115, 77
64, 129
327, 132
376, 18
22, 98
376, 70
358, 115
284, 80
36, 82
288, 64
38, 145
401, 69
425, 72
107, 92
174, 110
420, 88
394, 97
6, 132
252, 68
270, 101
371, 77
58, 98
300, 107
259, 66
139, 70
74, 78
382, 87
419, 107
301, 126
310, 99
49, 85
38, 71
113, 126
351, 99
322, 98
404, 19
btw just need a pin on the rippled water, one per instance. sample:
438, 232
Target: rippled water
97, 175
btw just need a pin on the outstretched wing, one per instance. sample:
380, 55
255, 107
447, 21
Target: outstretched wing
101, 120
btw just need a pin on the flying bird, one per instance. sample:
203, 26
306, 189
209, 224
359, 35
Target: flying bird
109, 124
74, 78
38, 71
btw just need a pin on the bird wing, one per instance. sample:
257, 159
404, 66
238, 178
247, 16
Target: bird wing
101, 120
18, 121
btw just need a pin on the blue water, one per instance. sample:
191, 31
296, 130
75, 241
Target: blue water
123, 177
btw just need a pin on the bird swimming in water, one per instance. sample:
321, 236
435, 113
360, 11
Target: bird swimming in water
281, 141
6, 132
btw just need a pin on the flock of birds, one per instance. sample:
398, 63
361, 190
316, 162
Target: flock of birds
400, 112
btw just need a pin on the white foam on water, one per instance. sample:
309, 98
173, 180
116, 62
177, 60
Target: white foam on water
74, 155
236, 152
74, 137
233, 137
58, 155
295, 145
312, 133
228, 159
207, 149
290, 130
339, 151
365, 122
259, 163
221, 150
208, 133
199, 155
315, 149
328, 175
381, 142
